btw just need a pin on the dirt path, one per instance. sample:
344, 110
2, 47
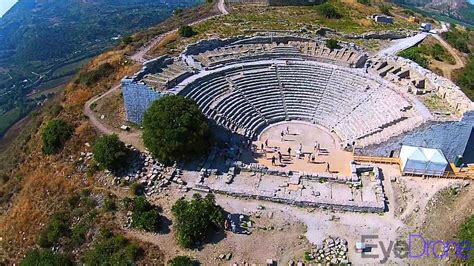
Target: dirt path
445, 67
140, 55
134, 138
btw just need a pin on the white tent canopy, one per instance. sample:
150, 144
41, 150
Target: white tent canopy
425, 161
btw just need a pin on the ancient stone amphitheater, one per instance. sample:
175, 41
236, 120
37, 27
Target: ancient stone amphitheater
246, 84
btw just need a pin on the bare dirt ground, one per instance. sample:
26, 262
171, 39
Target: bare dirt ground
307, 135
284, 233
446, 68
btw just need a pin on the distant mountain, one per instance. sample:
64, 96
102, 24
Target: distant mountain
44, 42
459, 9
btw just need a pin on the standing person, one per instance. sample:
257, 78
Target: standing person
301, 147
289, 152
313, 158
261, 146
315, 145
281, 136
310, 155
266, 143
279, 156
273, 160
287, 130
327, 167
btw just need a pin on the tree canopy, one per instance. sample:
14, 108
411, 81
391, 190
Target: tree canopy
145, 216
110, 152
182, 261
332, 44
329, 11
196, 218
112, 250
186, 31
175, 129
55, 135
44, 257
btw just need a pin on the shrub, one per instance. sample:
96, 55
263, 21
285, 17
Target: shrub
329, 11
385, 9
110, 152
110, 204
465, 78
79, 233
186, 31
466, 233
127, 40
196, 218
415, 55
136, 189
55, 135
365, 2
457, 39
438, 52
332, 44
182, 261
44, 257
93, 76
112, 250
57, 227
144, 215
175, 129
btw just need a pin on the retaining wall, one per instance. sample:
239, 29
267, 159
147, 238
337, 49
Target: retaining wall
450, 137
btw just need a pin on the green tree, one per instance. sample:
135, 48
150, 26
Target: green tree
175, 129
196, 218
332, 44
110, 152
182, 261
329, 11
43, 257
145, 216
186, 31
55, 135
112, 250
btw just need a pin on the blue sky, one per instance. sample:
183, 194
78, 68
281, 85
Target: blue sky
5, 6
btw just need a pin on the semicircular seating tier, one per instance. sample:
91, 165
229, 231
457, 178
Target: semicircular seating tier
247, 97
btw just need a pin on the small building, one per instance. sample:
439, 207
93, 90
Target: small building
426, 27
382, 19
422, 161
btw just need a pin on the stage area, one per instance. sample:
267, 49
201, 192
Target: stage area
306, 136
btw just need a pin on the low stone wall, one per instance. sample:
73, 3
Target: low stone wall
382, 35
373, 207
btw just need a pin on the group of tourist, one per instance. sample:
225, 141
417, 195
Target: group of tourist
299, 154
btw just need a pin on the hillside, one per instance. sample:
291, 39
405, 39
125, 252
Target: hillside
457, 9
44, 43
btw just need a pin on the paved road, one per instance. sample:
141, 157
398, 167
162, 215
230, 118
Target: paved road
402, 44
140, 56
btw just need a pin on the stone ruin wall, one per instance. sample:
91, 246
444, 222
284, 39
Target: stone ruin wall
345, 205
450, 137
137, 95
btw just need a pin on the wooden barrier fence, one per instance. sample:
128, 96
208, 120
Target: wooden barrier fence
466, 174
